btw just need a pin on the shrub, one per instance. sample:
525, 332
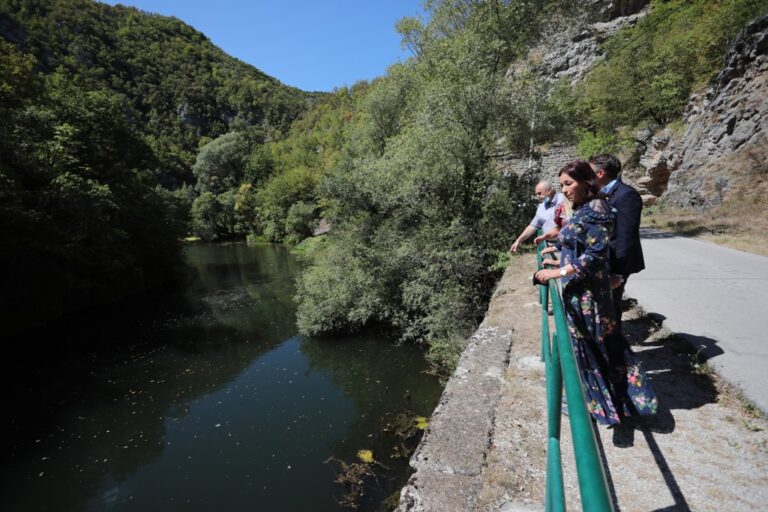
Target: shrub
299, 222
591, 143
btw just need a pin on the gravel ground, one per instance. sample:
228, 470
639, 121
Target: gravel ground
705, 450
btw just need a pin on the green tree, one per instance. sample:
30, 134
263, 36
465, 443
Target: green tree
279, 194
245, 209
418, 207
259, 165
205, 216
227, 220
220, 163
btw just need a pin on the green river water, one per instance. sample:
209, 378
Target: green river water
206, 399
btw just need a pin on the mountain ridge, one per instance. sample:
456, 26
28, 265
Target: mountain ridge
181, 88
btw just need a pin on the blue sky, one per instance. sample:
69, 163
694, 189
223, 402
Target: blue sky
313, 45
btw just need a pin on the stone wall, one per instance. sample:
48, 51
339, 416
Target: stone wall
545, 164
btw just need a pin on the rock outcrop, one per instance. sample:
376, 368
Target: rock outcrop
572, 55
718, 149
609, 10
726, 140
657, 155
571, 51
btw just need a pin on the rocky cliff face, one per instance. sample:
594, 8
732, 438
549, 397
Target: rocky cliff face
568, 51
725, 145
718, 149
571, 49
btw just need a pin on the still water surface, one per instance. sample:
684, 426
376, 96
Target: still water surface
218, 404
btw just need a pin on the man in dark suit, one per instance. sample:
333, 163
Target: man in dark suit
626, 252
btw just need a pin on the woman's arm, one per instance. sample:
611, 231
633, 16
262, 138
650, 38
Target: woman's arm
546, 274
549, 235
593, 235
592, 230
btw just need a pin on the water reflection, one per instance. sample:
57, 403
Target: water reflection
229, 409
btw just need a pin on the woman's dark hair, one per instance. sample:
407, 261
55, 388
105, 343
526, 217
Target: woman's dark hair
581, 172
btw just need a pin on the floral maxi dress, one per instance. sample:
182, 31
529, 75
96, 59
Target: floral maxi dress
614, 385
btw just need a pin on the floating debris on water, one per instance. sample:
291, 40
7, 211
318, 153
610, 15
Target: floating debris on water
365, 456
353, 477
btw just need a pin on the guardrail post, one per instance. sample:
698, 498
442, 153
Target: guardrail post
555, 497
544, 301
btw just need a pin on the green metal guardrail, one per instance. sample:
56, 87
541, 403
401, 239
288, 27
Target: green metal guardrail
560, 364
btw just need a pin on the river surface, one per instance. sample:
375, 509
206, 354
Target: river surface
206, 399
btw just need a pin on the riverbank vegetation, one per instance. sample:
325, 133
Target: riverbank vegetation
418, 206
123, 132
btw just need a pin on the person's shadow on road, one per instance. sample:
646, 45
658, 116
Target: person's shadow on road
676, 367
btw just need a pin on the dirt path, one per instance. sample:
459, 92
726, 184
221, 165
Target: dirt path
706, 450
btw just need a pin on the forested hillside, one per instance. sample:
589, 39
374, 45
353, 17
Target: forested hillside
99, 107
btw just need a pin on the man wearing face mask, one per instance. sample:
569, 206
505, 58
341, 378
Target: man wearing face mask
626, 252
545, 213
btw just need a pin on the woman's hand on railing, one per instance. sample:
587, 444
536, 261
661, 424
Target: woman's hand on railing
548, 250
550, 263
545, 275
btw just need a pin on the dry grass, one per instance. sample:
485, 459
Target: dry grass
740, 221
740, 225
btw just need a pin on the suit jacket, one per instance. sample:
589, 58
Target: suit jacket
626, 252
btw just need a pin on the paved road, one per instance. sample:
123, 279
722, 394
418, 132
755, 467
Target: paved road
715, 297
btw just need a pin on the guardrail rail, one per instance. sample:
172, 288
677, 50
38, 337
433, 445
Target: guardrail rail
561, 369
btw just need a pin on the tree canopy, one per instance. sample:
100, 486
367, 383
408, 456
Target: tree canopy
418, 205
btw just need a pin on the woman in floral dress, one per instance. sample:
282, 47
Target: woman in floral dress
614, 385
